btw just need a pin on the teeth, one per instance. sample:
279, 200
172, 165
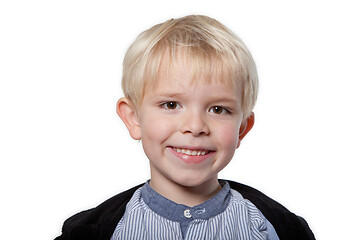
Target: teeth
190, 152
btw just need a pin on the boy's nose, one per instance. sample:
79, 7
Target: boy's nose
195, 124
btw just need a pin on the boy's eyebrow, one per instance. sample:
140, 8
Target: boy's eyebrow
212, 98
224, 99
169, 94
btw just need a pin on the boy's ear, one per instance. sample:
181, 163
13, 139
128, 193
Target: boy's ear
246, 126
127, 113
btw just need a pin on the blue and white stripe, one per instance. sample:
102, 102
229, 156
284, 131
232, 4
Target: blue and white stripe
240, 220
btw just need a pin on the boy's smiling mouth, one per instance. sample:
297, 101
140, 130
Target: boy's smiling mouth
194, 155
191, 152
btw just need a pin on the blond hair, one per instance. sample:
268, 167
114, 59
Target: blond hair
208, 45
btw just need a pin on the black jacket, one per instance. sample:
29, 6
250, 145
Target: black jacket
99, 223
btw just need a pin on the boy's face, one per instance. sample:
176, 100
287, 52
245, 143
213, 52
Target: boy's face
189, 131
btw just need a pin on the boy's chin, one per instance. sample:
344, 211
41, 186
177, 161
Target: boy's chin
195, 181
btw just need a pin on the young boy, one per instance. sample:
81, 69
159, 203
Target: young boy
190, 86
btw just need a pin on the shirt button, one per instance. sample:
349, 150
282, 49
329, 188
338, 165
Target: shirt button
187, 213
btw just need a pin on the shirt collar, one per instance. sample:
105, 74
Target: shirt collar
179, 212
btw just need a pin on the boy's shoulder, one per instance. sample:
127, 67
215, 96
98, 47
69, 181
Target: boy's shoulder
100, 222
287, 224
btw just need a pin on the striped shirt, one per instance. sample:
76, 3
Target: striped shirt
227, 215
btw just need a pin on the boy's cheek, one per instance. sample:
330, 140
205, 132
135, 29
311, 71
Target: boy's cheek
155, 128
228, 133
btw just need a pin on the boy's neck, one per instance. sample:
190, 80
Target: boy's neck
189, 196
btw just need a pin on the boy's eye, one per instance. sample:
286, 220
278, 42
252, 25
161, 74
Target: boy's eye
170, 105
219, 110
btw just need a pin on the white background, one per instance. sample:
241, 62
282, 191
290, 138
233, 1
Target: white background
63, 148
